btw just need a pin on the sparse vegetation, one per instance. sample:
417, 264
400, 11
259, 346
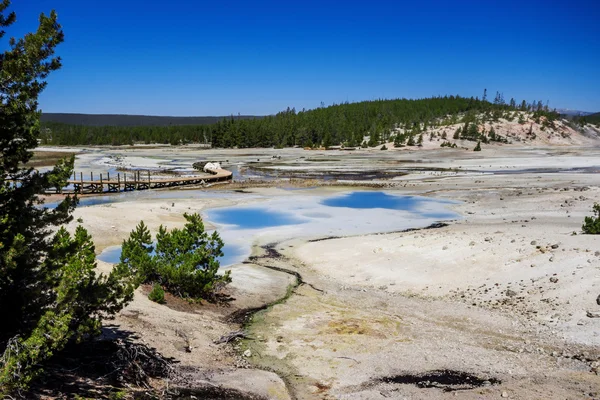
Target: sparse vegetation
448, 144
591, 225
47, 158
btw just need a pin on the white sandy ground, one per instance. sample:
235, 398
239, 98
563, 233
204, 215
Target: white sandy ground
402, 302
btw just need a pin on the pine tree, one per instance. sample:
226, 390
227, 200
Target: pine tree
327, 140
49, 290
457, 133
183, 261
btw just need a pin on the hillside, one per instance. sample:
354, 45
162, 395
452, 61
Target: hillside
130, 120
593, 118
517, 127
406, 122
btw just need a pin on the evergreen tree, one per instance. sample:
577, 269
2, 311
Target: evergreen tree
183, 261
457, 133
374, 139
49, 290
478, 147
327, 140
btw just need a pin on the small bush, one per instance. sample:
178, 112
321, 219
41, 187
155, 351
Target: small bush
591, 225
478, 147
448, 144
157, 294
383, 147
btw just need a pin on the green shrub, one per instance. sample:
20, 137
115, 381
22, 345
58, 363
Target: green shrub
183, 261
478, 147
157, 294
591, 225
448, 144
383, 147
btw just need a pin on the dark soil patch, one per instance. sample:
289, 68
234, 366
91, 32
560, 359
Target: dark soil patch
188, 305
447, 380
271, 174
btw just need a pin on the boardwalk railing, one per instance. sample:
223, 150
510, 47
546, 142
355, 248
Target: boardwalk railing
140, 181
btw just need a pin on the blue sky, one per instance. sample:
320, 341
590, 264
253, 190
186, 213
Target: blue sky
259, 57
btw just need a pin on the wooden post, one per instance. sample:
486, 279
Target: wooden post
119, 182
91, 176
108, 178
101, 184
125, 181
148, 179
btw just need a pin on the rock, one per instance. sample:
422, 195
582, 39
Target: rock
554, 246
593, 314
488, 239
511, 293
554, 279
533, 243
598, 300
247, 353
504, 394
445, 248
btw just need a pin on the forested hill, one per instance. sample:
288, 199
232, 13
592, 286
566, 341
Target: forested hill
130, 120
590, 119
346, 123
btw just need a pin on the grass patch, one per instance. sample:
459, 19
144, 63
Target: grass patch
47, 158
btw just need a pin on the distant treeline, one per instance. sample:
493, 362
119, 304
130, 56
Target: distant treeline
130, 120
346, 124
589, 119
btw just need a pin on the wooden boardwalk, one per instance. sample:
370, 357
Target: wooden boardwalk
140, 181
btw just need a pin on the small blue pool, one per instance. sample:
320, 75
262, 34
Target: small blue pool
372, 200
252, 218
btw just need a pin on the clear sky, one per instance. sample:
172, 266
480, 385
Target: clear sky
226, 57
